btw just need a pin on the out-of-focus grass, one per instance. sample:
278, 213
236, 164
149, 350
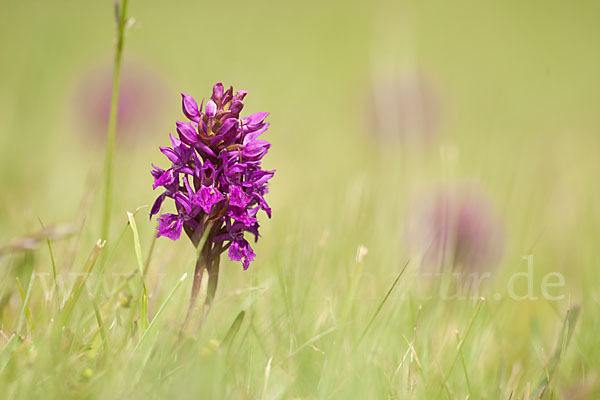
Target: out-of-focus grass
519, 95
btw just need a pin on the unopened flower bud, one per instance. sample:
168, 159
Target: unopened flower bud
211, 109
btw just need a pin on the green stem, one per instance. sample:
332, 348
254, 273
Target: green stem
25, 312
461, 344
138, 253
79, 284
202, 263
110, 147
54, 285
464, 365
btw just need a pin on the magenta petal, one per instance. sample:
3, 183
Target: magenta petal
217, 92
169, 225
156, 172
165, 178
241, 215
171, 155
207, 174
187, 133
237, 197
250, 136
240, 250
174, 141
227, 96
256, 118
204, 150
256, 149
227, 131
229, 124
190, 108
157, 204
241, 94
183, 203
207, 197
236, 106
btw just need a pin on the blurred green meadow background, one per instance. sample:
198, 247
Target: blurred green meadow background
374, 108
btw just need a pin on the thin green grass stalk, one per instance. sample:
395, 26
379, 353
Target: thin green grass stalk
105, 260
150, 252
23, 298
332, 358
411, 350
8, 350
561, 347
138, 254
53, 263
445, 383
387, 295
311, 341
121, 13
160, 310
83, 210
100, 324
464, 366
131, 275
461, 344
79, 284
355, 279
25, 312
266, 381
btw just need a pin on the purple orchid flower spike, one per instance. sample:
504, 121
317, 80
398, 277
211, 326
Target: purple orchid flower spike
216, 181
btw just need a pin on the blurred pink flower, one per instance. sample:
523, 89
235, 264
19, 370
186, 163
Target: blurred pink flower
456, 228
140, 101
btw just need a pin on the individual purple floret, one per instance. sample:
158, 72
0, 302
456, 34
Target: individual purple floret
215, 178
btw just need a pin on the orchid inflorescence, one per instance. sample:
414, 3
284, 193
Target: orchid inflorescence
215, 178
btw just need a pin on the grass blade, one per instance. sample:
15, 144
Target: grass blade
464, 366
100, 324
79, 284
112, 124
150, 252
266, 382
563, 342
381, 304
234, 329
25, 312
461, 344
53, 263
140, 262
160, 310
110, 255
